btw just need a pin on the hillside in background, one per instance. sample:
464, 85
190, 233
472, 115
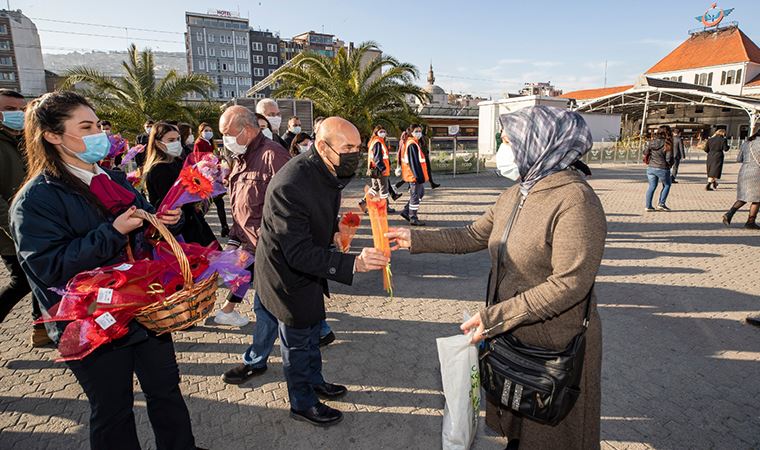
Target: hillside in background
110, 62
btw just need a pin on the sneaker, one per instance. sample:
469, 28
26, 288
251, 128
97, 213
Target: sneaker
40, 338
434, 185
650, 210
405, 215
415, 222
395, 195
663, 208
233, 319
753, 320
709, 187
751, 226
327, 339
242, 373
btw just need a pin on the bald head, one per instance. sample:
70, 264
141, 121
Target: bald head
336, 136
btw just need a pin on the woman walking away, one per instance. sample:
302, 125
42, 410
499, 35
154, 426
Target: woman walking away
162, 168
716, 149
659, 157
545, 236
748, 182
205, 144
72, 216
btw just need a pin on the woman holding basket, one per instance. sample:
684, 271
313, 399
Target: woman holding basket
72, 216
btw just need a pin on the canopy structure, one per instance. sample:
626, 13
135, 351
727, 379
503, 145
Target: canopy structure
654, 93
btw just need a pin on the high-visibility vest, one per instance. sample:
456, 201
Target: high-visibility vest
371, 154
406, 170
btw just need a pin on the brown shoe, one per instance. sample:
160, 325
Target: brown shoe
40, 338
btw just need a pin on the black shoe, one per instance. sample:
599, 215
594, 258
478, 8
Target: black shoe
709, 187
753, 320
674, 181
751, 226
330, 391
320, 415
391, 210
715, 185
415, 222
327, 339
242, 373
726, 220
405, 215
363, 206
434, 185
395, 195
225, 232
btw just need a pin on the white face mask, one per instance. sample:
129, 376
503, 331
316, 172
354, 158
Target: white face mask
231, 144
173, 148
296, 129
275, 121
505, 162
190, 140
207, 135
417, 135
382, 134
267, 132
147, 130
303, 148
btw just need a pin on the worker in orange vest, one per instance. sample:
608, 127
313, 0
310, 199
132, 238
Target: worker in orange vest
379, 168
414, 171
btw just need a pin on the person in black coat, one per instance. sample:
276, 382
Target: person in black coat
294, 260
63, 226
163, 165
679, 153
716, 149
294, 127
142, 139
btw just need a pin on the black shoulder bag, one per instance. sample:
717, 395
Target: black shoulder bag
536, 383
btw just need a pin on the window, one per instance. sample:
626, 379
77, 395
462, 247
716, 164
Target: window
703, 79
696, 78
272, 48
709, 79
3, 29
202, 65
212, 65
259, 95
723, 78
680, 78
223, 52
257, 59
200, 51
211, 38
739, 76
224, 67
256, 46
7, 76
6, 61
229, 39
272, 60
730, 77
671, 110
242, 54
699, 109
242, 67
199, 36
240, 40
258, 72
212, 51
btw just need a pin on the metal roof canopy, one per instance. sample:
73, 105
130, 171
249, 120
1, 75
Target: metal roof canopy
653, 92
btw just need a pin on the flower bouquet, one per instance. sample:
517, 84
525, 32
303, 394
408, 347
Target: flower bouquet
197, 182
378, 217
347, 229
132, 153
119, 145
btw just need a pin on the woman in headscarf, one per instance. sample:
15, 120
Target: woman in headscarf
548, 267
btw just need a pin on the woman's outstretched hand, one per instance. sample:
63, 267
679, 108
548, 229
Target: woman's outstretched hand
474, 324
399, 238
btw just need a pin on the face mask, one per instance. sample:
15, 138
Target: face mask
173, 148
275, 121
505, 162
303, 148
347, 164
231, 144
417, 135
147, 130
295, 130
13, 120
96, 147
207, 135
190, 139
267, 132
382, 134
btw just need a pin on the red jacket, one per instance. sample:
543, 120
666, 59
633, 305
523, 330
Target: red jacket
203, 146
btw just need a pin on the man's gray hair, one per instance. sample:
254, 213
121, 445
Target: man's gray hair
263, 103
240, 116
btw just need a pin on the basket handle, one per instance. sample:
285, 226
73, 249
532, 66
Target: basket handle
184, 264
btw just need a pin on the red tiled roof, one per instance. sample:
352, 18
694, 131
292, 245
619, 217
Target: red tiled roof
755, 82
586, 94
707, 49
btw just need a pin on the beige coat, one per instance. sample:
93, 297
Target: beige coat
552, 258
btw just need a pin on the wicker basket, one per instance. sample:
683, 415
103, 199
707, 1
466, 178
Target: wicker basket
186, 307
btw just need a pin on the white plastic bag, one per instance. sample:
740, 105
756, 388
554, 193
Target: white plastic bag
461, 387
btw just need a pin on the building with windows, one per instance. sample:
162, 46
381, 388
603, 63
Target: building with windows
540, 88
217, 45
21, 65
265, 57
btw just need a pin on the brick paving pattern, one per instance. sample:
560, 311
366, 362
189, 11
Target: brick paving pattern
681, 368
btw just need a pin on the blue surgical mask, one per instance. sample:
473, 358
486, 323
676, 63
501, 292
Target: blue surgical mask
96, 147
13, 120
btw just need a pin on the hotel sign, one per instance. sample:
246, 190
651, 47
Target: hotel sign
714, 16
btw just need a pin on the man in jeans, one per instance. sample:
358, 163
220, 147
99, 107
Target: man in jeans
659, 153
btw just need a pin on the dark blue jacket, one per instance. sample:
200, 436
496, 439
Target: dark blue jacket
59, 234
413, 152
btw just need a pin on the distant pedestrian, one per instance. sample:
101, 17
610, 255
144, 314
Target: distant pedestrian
679, 153
294, 127
378, 167
204, 143
142, 139
414, 170
748, 182
659, 157
301, 143
269, 109
716, 149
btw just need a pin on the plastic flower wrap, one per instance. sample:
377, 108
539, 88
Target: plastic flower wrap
347, 228
119, 145
134, 178
197, 182
378, 217
132, 153
232, 267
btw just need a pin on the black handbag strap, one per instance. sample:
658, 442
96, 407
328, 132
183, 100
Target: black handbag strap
491, 295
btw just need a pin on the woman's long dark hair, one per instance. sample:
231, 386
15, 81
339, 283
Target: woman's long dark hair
47, 114
154, 154
202, 127
300, 137
665, 133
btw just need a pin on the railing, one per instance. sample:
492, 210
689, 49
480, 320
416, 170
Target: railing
631, 151
447, 156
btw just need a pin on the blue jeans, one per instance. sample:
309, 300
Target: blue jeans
265, 333
654, 176
302, 364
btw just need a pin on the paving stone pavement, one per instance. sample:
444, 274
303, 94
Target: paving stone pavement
681, 368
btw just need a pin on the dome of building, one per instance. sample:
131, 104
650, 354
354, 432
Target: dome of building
433, 89
437, 95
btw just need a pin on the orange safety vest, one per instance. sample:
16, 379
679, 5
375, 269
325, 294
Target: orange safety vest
371, 155
406, 170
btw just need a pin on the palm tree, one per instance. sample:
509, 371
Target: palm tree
129, 100
346, 85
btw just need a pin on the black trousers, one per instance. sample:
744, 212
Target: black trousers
221, 213
106, 377
17, 289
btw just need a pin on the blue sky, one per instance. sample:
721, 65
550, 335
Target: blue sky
480, 47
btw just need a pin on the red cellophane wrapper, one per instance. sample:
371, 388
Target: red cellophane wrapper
347, 228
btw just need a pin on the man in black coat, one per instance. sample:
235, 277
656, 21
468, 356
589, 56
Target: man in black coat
679, 153
294, 127
294, 262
